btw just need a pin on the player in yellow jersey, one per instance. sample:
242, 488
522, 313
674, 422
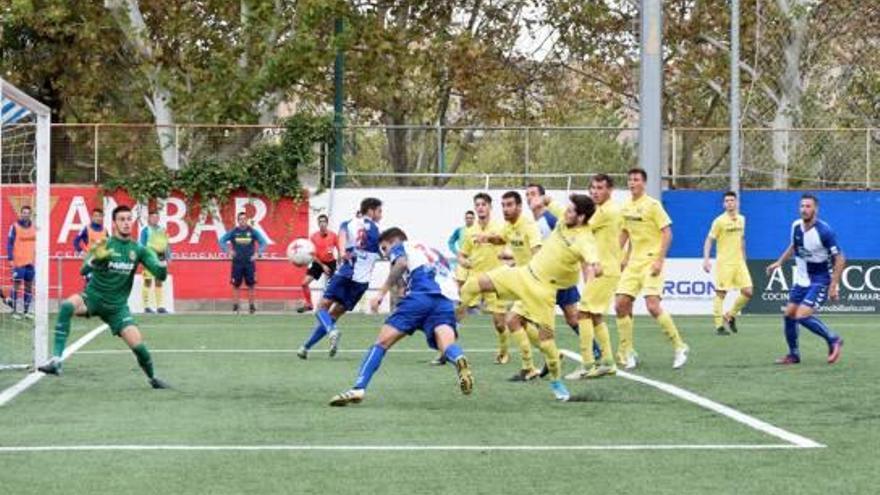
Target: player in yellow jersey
522, 240
558, 264
480, 253
598, 294
731, 272
648, 229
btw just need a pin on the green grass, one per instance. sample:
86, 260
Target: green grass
274, 398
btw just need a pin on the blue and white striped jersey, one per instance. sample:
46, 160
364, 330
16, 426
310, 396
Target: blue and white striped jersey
814, 252
362, 242
427, 271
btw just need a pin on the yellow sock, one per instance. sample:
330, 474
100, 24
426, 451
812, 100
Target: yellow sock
738, 305
145, 293
670, 330
586, 334
159, 298
503, 341
718, 311
532, 332
551, 357
603, 337
521, 338
625, 343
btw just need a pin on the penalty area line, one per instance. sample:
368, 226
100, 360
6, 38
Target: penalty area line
794, 439
386, 448
32, 378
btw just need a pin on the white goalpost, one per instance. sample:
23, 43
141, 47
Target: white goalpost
24, 181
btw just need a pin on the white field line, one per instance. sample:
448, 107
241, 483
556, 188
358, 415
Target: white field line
32, 378
386, 448
738, 416
269, 351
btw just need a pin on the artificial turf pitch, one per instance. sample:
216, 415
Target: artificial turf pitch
239, 386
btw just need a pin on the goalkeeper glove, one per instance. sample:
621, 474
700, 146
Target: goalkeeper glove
100, 251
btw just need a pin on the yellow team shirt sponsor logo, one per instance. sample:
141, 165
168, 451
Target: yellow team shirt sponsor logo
522, 237
644, 220
729, 233
483, 255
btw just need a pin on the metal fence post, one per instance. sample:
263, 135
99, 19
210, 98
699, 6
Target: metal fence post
528, 157
486, 186
96, 151
674, 154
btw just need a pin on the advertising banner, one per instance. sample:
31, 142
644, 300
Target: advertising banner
200, 269
859, 288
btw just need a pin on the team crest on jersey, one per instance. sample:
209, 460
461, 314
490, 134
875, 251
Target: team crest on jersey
132, 256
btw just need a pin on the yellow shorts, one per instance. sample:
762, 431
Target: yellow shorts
598, 295
730, 277
490, 300
636, 279
533, 299
461, 273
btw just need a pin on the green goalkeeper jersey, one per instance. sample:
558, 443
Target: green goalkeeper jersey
112, 278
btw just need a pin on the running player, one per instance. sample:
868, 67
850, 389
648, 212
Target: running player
731, 272
648, 229
346, 288
247, 245
429, 306
324, 264
154, 237
480, 253
112, 263
820, 265
558, 264
607, 225
21, 249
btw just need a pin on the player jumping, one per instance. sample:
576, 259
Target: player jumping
112, 265
820, 265
429, 306
360, 236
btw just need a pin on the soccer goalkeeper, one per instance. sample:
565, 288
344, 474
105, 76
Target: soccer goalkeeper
112, 265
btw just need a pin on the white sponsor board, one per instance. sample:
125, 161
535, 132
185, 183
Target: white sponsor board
430, 216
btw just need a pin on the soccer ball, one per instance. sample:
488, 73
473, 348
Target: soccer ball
300, 252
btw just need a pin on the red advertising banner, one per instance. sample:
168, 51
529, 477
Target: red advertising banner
198, 265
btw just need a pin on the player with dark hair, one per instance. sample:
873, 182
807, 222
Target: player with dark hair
247, 245
731, 272
429, 306
648, 230
112, 264
360, 237
820, 264
480, 253
324, 264
558, 264
21, 250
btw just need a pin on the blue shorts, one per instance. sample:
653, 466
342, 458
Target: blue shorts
345, 291
25, 273
564, 297
423, 312
244, 271
812, 296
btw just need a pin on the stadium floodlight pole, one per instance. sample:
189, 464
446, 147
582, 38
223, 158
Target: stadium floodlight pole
650, 93
338, 99
734, 97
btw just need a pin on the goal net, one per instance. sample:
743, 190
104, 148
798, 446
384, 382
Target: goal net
24, 224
